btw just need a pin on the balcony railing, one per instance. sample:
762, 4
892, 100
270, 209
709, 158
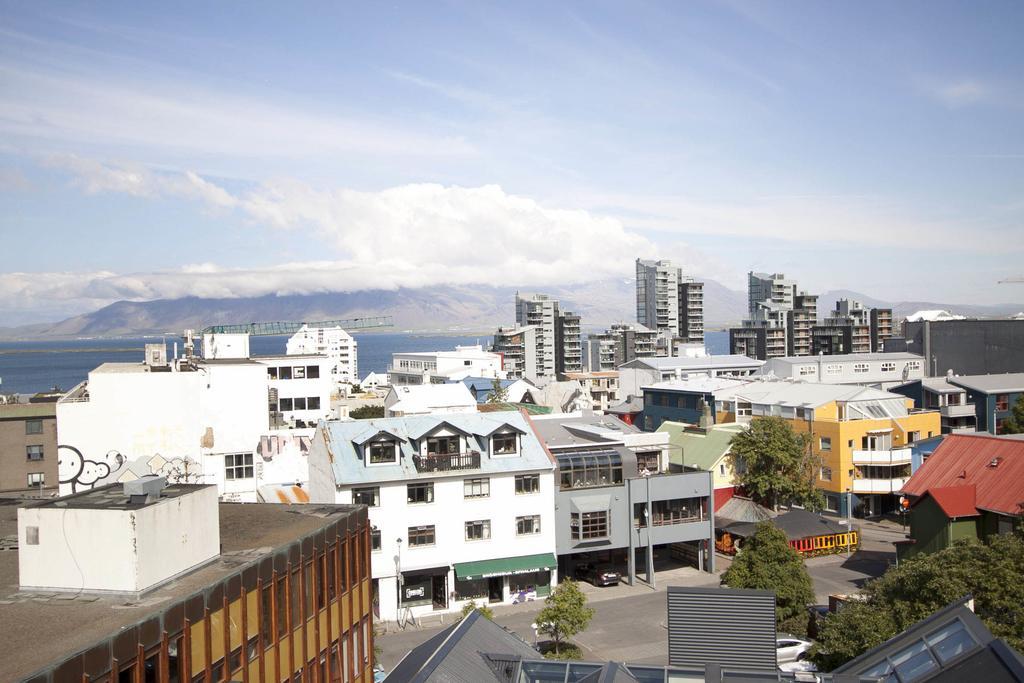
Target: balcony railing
963, 410
447, 462
878, 485
896, 456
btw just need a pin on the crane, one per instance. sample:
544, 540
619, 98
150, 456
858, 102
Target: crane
271, 328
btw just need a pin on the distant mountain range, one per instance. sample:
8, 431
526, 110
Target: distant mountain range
449, 308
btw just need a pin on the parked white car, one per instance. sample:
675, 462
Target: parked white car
789, 648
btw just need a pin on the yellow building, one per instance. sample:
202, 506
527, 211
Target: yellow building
861, 435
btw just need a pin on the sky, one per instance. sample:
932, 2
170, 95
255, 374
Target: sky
161, 150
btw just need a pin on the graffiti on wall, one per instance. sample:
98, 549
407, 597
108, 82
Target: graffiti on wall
78, 473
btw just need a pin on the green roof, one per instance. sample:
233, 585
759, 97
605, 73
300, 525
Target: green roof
524, 564
530, 408
699, 450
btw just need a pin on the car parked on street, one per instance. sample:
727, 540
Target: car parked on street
597, 574
790, 648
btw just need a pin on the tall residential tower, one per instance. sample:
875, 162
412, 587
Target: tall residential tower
669, 302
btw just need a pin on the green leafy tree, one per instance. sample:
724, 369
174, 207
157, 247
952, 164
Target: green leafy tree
498, 394
366, 412
775, 464
1015, 423
991, 573
485, 611
767, 562
565, 613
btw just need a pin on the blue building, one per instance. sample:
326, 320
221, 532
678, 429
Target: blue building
682, 400
993, 397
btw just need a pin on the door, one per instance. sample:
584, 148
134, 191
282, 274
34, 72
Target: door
438, 586
495, 589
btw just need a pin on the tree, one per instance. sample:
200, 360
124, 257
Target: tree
498, 394
774, 464
366, 412
767, 562
565, 613
1015, 423
484, 610
920, 586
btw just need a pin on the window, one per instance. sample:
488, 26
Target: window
801, 413
272, 373
284, 373
36, 479
914, 365
313, 403
238, 466
647, 461
588, 525
589, 469
743, 409
476, 488
299, 372
1002, 402
312, 372
721, 468
826, 474
33, 426
888, 366
374, 539
442, 445
527, 525
299, 403
382, 452
825, 443
420, 493
31, 535
34, 452
480, 530
527, 483
808, 370
503, 444
860, 367
369, 495
833, 369
421, 536
284, 404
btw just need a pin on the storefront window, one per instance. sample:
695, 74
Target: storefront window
416, 590
469, 590
534, 581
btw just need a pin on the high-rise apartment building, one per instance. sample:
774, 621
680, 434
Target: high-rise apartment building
781, 318
669, 302
620, 344
851, 328
544, 342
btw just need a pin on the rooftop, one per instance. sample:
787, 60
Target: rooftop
422, 398
804, 394
19, 411
702, 362
701, 449
993, 466
342, 438
567, 430
40, 628
111, 497
988, 384
703, 384
847, 358
939, 385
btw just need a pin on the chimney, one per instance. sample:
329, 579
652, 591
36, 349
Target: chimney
145, 489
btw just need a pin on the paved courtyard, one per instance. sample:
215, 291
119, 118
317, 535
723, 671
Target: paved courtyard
629, 621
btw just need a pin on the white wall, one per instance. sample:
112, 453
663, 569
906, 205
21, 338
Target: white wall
125, 551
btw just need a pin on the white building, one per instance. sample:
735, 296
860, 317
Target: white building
879, 370
374, 381
333, 342
643, 372
425, 367
300, 389
462, 506
196, 421
425, 399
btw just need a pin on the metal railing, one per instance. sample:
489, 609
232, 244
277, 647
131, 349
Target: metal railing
447, 462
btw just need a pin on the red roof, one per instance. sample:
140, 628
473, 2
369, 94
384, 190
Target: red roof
995, 468
955, 501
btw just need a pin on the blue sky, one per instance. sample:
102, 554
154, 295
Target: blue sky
229, 149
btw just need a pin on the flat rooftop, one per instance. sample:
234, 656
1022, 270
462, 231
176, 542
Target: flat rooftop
848, 358
1011, 381
40, 628
20, 411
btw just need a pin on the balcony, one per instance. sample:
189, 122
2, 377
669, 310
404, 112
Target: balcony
897, 456
878, 485
447, 462
964, 410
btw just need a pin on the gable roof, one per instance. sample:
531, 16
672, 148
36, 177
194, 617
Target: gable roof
700, 449
796, 524
459, 654
955, 501
967, 459
422, 398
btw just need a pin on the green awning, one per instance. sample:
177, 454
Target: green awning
485, 569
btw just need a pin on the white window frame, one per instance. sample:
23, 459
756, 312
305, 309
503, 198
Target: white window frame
468, 486
825, 443
36, 479
534, 525
485, 530
368, 448
238, 466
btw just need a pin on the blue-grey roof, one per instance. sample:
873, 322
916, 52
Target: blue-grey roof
481, 387
342, 437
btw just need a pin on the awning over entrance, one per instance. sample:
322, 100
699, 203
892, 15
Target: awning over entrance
485, 569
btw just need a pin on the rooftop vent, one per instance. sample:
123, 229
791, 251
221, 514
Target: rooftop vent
145, 489
994, 462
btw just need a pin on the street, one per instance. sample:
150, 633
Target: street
629, 621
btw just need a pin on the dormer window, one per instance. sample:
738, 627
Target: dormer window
504, 444
382, 452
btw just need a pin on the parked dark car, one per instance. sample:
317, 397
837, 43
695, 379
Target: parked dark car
598, 574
